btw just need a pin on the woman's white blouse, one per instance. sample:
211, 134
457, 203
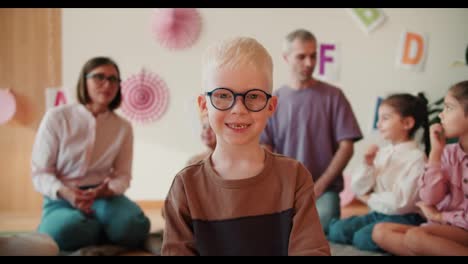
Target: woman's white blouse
74, 148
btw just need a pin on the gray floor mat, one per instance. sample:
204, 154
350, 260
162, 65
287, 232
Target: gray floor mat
348, 250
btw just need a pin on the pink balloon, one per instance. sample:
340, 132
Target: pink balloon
7, 106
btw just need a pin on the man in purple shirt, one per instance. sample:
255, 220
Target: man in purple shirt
314, 123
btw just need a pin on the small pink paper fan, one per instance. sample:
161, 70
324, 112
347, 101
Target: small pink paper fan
176, 28
145, 97
7, 106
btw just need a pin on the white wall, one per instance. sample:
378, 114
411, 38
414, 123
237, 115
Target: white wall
368, 67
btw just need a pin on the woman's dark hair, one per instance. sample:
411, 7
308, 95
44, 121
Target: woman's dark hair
408, 105
82, 89
460, 92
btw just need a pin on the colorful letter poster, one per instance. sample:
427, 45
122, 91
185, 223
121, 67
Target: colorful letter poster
55, 97
368, 18
412, 51
328, 64
376, 113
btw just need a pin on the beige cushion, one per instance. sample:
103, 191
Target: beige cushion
28, 244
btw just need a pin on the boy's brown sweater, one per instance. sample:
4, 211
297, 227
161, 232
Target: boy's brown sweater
272, 213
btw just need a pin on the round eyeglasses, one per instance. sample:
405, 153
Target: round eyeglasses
101, 78
223, 99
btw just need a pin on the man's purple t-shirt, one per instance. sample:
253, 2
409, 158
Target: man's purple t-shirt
308, 125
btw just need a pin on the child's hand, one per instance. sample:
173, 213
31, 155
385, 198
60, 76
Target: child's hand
437, 142
370, 154
430, 212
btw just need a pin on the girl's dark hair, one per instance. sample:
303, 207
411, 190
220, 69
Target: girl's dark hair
82, 89
460, 92
408, 105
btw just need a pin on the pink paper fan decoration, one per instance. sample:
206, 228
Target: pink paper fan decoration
145, 97
7, 106
176, 28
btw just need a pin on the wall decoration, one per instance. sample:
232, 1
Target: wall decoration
7, 106
329, 60
412, 51
176, 28
376, 112
368, 18
145, 97
55, 97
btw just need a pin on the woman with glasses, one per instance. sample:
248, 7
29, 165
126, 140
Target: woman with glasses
81, 163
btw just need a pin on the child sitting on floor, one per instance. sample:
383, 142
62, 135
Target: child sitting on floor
387, 179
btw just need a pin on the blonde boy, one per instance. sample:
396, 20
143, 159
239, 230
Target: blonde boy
241, 199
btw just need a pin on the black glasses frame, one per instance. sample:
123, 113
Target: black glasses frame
268, 96
101, 78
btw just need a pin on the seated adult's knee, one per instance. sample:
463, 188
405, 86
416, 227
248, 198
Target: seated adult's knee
74, 234
129, 231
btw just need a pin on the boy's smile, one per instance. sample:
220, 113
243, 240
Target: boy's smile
238, 127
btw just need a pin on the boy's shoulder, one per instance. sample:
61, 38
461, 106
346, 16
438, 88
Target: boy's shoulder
192, 171
289, 170
282, 160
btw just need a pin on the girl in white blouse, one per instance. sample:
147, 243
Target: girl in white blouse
81, 163
387, 180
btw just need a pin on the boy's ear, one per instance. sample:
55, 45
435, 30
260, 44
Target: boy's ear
272, 103
201, 100
408, 122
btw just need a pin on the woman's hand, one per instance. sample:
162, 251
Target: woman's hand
80, 199
103, 190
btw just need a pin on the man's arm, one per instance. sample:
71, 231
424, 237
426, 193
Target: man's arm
338, 163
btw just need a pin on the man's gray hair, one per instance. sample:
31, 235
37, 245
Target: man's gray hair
301, 34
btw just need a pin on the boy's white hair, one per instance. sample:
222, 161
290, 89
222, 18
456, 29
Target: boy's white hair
234, 53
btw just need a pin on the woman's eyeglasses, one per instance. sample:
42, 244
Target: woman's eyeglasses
100, 78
